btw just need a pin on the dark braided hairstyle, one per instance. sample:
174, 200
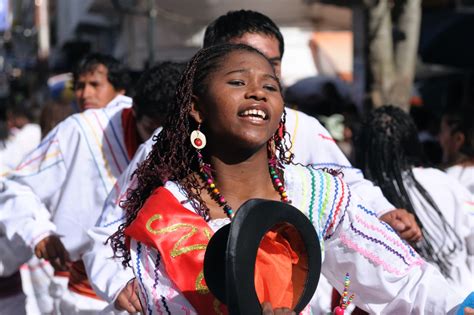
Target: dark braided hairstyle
172, 156
387, 150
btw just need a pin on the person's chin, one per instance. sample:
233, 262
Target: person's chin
87, 106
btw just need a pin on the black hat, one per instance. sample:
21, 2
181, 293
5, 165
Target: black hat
229, 262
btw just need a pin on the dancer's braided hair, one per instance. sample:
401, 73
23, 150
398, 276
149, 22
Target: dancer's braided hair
388, 148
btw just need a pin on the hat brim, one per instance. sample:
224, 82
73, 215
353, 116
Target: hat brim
229, 263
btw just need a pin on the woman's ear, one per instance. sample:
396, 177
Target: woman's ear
459, 139
196, 112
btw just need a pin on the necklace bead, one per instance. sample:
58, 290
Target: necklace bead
217, 196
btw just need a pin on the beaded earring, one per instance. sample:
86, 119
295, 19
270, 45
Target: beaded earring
198, 139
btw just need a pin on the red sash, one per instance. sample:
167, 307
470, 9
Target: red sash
78, 281
181, 237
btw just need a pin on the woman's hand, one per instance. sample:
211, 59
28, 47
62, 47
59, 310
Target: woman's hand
267, 309
404, 224
127, 300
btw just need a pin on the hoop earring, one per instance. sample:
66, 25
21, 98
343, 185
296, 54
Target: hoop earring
198, 139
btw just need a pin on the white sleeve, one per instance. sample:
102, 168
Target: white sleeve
465, 223
31, 194
24, 220
112, 212
457, 205
312, 144
387, 275
157, 293
108, 276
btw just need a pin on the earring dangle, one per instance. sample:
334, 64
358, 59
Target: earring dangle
198, 139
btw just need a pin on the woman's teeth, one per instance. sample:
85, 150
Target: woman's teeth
255, 113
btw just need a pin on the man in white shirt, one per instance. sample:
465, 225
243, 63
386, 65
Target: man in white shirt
99, 79
56, 193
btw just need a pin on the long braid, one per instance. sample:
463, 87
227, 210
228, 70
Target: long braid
388, 148
172, 157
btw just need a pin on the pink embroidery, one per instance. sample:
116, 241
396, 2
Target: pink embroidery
345, 239
470, 205
395, 241
326, 137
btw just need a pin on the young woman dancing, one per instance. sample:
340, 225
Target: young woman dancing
190, 186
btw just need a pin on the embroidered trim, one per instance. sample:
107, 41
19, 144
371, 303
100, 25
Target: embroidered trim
326, 137
379, 242
119, 167
372, 213
338, 207
311, 202
140, 278
346, 240
332, 207
327, 188
394, 240
121, 144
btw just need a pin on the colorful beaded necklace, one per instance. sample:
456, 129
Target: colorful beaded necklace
206, 176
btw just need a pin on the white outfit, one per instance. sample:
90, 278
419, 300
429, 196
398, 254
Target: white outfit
19, 143
311, 144
107, 275
454, 201
387, 275
61, 186
17, 146
464, 174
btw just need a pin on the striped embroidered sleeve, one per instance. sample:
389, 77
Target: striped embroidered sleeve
387, 275
30, 192
312, 144
44, 169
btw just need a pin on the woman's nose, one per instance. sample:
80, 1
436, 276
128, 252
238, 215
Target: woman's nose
257, 93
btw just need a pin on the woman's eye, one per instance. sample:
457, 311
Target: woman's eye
270, 87
236, 82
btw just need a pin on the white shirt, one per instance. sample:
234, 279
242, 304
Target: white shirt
17, 146
455, 203
464, 174
61, 186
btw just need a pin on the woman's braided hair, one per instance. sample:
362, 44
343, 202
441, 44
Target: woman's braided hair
388, 148
172, 156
